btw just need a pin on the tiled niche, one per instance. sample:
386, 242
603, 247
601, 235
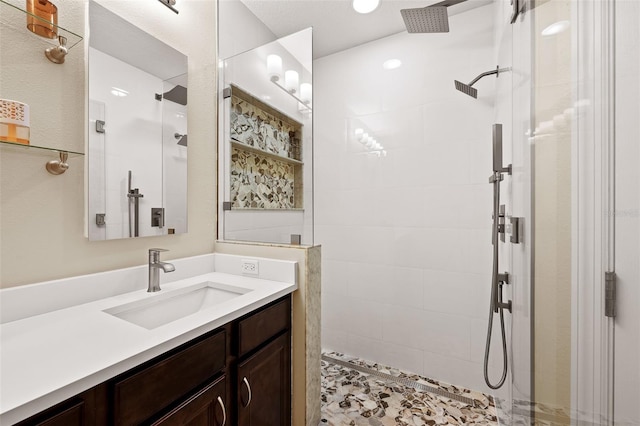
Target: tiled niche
266, 166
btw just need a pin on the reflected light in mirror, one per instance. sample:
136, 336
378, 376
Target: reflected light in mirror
305, 92
118, 92
274, 67
291, 80
365, 6
555, 28
392, 64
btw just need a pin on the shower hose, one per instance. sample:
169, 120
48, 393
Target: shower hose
496, 304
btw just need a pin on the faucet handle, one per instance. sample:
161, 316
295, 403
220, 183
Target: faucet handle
157, 250
154, 254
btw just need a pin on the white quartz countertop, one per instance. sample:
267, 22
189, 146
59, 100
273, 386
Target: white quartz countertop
50, 357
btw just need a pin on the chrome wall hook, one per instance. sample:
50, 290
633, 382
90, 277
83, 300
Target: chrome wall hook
58, 167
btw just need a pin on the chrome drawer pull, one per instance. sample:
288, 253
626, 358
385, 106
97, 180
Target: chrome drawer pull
246, 382
224, 412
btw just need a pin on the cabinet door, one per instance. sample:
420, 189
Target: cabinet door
206, 408
264, 385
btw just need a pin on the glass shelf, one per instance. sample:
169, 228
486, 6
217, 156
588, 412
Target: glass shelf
14, 16
38, 149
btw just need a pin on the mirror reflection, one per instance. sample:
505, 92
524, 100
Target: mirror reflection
266, 143
137, 142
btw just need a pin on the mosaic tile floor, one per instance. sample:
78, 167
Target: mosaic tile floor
353, 398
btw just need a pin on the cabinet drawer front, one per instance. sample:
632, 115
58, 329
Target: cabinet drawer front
150, 390
69, 416
206, 407
260, 327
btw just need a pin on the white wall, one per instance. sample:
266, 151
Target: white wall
627, 216
406, 238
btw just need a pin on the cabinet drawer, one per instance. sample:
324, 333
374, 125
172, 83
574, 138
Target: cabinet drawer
206, 407
260, 327
150, 390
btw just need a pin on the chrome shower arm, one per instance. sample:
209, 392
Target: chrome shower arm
498, 70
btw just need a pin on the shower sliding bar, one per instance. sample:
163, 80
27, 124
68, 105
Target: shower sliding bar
497, 279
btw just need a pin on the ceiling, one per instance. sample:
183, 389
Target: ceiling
336, 26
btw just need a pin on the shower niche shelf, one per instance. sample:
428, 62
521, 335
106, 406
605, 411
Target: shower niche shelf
266, 155
15, 17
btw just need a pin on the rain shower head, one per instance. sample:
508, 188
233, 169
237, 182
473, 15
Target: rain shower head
430, 19
468, 90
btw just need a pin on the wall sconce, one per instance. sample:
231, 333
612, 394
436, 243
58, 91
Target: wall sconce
301, 92
369, 143
170, 4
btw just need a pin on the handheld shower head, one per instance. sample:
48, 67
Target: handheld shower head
468, 90
430, 19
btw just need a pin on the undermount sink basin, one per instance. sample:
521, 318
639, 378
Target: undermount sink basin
171, 306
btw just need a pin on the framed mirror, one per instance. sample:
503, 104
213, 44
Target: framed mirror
137, 132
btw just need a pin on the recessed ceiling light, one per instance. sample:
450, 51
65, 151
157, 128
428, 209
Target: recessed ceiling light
555, 28
392, 64
365, 6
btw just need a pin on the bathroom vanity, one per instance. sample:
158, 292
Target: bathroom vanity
237, 374
213, 348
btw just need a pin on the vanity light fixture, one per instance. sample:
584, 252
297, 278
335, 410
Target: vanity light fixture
301, 92
170, 4
365, 6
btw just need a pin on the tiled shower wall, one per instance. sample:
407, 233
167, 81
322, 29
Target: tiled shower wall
406, 237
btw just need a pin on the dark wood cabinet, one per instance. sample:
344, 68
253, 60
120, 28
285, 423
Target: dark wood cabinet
237, 375
86, 409
264, 385
160, 383
208, 407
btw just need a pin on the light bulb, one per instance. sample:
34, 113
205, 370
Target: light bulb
274, 67
291, 81
305, 92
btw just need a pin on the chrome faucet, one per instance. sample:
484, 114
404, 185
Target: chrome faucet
154, 266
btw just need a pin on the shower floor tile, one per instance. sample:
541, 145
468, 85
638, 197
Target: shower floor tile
353, 398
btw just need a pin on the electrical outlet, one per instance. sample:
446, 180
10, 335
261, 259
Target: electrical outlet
250, 267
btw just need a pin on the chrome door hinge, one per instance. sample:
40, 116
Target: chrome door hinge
610, 294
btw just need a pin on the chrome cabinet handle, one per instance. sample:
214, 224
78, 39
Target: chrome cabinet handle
224, 411
246, 382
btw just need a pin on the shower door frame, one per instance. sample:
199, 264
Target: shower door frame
593, 200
